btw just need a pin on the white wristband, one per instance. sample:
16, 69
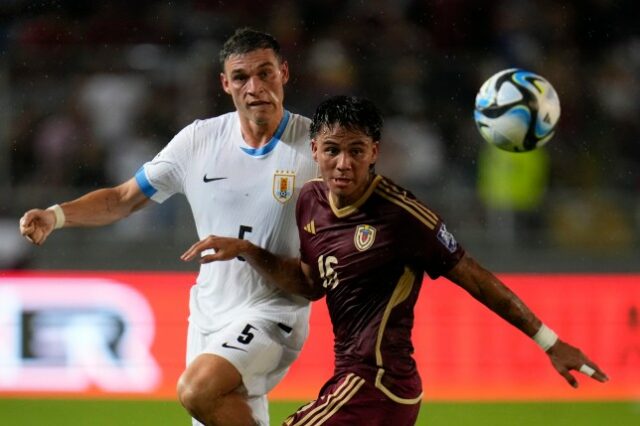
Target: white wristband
59, 214
545, 337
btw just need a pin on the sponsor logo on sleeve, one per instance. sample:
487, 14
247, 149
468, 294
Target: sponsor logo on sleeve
447, 239
311, 227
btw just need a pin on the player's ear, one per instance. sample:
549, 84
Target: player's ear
224, 82
374, 152
314, 149
284, 72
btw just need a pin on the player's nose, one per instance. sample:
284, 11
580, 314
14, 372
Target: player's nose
343, 162
255, 84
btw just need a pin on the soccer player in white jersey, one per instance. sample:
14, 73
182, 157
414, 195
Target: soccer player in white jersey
241, 173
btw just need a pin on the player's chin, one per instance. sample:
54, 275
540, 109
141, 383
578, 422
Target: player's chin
341, 185
344, 192
262, 115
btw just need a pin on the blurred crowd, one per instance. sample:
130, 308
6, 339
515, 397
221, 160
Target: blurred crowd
91, 90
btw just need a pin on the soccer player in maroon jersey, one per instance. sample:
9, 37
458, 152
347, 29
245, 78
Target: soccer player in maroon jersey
365, 245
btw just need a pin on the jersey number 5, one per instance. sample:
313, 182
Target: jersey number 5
327, 273
241, 232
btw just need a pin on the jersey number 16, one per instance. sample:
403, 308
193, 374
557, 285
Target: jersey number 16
327, 273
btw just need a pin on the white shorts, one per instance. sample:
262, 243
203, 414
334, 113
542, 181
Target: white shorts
261, 350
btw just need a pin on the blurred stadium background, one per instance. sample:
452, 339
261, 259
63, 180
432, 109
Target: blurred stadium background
91, 90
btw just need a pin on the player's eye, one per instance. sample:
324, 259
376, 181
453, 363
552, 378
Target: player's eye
331, 151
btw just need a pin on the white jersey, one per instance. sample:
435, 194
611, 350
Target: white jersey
235, 190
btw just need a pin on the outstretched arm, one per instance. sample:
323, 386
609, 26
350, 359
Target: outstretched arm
490, 291
288, 274
97, 208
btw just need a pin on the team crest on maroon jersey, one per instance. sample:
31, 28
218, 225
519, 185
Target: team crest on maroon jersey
283, 184
364, 237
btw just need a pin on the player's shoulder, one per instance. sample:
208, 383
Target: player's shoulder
214, 123
388, 188
405, 202
201, 132
312, 195
299, 119
313, 184
312, 188
207, 126
298, 127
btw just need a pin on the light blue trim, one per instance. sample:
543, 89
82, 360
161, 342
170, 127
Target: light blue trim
264, 150
144, 184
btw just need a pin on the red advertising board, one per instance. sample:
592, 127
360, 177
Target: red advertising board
92, 333
105, 334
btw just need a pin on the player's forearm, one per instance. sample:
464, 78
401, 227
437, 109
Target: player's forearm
102, 207
285, 273
501, 300
490, 291
94, 209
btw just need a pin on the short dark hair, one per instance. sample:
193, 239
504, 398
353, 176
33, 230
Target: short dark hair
350, 112
246, 40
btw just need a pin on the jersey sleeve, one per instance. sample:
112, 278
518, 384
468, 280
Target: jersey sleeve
302, 216
437, 249
164, 176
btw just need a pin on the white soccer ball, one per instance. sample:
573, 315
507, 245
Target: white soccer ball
517, 110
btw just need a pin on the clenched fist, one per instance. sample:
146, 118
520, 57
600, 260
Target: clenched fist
37, 224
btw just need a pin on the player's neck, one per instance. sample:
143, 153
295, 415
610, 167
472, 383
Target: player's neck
257, 134
343, 200
339, 201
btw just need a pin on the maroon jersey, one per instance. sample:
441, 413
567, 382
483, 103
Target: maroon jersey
370, 258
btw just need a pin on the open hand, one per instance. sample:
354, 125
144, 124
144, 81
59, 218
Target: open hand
565, 358
224, 248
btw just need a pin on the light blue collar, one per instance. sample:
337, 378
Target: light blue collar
265, 149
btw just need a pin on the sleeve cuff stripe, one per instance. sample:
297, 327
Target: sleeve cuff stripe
144, 184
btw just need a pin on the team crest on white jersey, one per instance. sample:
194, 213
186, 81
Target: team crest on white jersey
283, 184
364, 237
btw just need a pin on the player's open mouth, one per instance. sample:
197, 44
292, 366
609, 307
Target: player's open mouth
258, 104
338, 181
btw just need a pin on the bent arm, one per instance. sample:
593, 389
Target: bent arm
490, 291
97, 208
288, 274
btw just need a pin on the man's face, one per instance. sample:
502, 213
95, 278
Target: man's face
255, 81
345, 158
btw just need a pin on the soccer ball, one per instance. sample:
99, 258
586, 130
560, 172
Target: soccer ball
517, 110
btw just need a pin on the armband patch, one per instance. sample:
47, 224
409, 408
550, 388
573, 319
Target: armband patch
447, 239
